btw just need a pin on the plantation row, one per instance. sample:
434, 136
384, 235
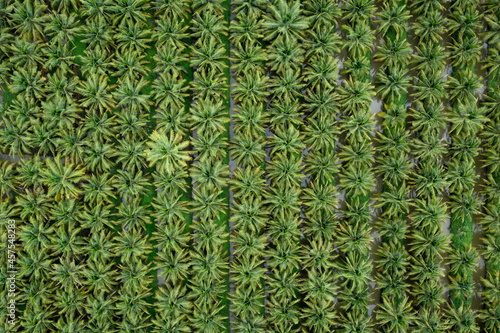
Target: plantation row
216, 166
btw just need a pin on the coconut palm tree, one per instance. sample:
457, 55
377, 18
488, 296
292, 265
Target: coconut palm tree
132, 11
61, 179
167, 151
28, 19
96, 93
285, 20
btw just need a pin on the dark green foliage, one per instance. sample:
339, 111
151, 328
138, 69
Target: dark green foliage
207, 166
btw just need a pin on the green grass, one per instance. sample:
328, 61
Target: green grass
224, 218
151, 191
491, 266
461, 227
8, 97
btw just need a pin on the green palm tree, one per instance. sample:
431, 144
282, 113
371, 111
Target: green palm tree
130, 184
358, 10
354, 237
36, 235
464, 20
169, 207
28, 84
25, 54
169, 91
58, 113
322, 13
96, 93
209, 235
66, 242
357, 181
208, 25
429, 242
172, 9
99, 156
96, 217
393, 16
170, 60
28, 19
67, 273
359, 38
248, 151
354, 270
170, 34
132, 214
467, 118
430, 27
208, 319
251, 87
171, 180
462, 319
174, 301
98, 188
62, 179
38, 320
394, 315
430, 58
173, 265
320, 198
246, 29
60, 86
394, 53
246, 303
97, 33
130, 65
248, 272
324, 40
208, 55
464, 87
285, 20
247, 182
130, 94
95, 62
393, 83
355, 322
285, 170
133, 11
134, 275
100, 309
7, 178
465, 52
96, 9
209, 84
430, 88
131, 304
207, 203
59, 56
287, 141
355, 95
249, 119
132, 125
208, 5
250, 7
132, 37
429, 118
322, 71
431, 321
210, 174
131, 154
208, 116
248, 58
171, 237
